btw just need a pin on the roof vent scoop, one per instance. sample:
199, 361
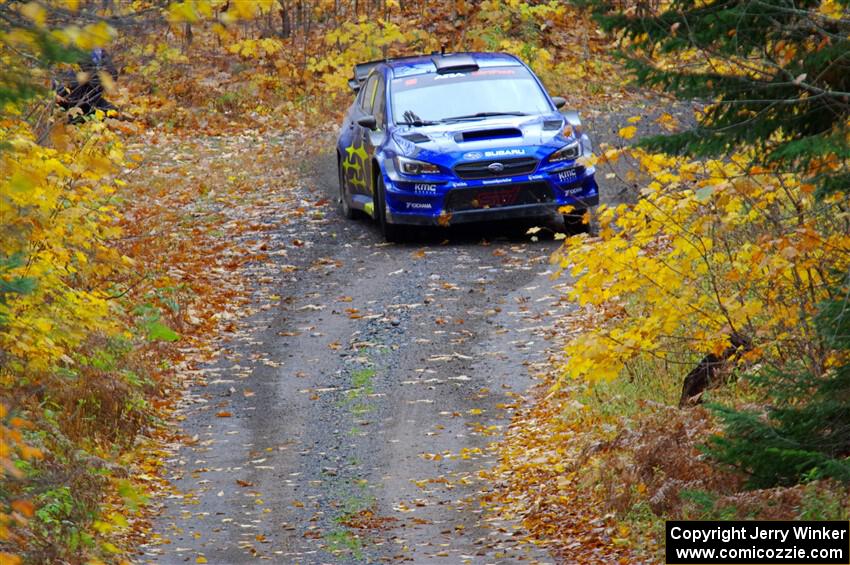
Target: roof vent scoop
416, 137
459, 63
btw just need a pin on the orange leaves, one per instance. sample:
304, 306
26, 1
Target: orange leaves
23, 507
353, 313
12, 446
667, 121
547, 474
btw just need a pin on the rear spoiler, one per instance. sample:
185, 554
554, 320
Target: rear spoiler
361, 72
444, 62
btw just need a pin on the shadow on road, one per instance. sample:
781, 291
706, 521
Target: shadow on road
504, 231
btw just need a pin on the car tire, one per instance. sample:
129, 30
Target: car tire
574, 222
344, 206
393, 233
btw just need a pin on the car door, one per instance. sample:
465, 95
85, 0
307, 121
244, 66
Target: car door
373, 139
356, 157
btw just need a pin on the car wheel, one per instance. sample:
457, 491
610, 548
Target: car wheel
574, 222
391, 232
344, 206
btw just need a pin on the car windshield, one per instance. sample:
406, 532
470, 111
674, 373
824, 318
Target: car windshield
491, 91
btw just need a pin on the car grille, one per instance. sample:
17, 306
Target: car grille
482, 198
511, 167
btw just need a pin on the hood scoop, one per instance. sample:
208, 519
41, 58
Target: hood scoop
416, 137
477, 135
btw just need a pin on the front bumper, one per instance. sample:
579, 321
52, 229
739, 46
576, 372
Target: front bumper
526, 196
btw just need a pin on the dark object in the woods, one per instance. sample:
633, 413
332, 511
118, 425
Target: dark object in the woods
703, 375
84, 90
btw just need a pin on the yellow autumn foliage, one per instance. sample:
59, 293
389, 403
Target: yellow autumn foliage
58, 221
57, 216
712, 247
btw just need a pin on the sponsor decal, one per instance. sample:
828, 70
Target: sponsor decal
481, 73
425, 188
353, 170
418, 205
571, 191
496, 181
475, 155
567, 176
494, 198
535, 177
504, 152
494, 72
458, 184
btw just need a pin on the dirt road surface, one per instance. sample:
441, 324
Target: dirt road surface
348, 424
347, 421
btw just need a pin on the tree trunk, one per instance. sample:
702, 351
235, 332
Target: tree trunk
704, 375
285, 22
188, 36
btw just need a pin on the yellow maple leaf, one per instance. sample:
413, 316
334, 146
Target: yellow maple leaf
831, 9
627, 132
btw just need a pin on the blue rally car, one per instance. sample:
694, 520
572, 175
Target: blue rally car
448, 138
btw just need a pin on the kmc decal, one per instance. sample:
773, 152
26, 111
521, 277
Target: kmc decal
567, 176
425, 188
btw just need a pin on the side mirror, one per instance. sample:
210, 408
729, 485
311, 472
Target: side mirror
368, 122
354, 84
559, 101
572, 118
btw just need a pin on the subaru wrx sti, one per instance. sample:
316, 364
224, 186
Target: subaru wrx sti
444, 139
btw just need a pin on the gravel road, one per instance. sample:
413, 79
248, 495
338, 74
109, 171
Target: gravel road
347, 423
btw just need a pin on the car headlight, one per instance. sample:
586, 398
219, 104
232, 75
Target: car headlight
414, 167
569, 152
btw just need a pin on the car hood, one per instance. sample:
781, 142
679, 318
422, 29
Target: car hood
471, 136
